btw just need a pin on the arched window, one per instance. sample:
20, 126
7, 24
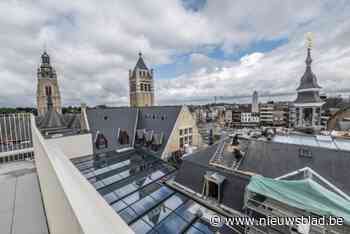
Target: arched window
101, 141
48, 90
123, 138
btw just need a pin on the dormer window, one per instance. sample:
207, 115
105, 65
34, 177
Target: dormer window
123, 137
213, 184
101, 141
304, 152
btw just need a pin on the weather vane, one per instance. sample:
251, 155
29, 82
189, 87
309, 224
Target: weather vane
309, 40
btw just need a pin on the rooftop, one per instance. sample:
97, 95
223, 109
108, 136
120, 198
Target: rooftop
132, 183
21, 207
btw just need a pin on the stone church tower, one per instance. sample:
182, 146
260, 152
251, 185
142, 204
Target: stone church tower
47, 86
141, 85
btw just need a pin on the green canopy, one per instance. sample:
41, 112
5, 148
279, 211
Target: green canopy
304, 194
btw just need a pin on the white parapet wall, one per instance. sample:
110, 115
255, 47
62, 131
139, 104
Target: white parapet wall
73, 146
71, 203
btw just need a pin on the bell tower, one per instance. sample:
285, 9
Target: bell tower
141, 85
47, 86
308, 104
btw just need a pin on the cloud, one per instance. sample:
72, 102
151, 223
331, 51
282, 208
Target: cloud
94, 44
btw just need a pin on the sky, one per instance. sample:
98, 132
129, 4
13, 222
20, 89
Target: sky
198, 48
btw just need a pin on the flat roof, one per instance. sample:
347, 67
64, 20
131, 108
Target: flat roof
132, 183
21, 207
316, 141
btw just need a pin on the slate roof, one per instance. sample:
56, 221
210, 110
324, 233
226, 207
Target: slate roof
52, 119
274, 159
160, 119
308, 97
140, 63
308, 80
72, 120
192, 171
107, 121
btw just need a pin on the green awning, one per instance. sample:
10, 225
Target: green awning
304, 194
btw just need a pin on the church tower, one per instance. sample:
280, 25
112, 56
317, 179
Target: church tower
47, 86
141, 85
308, 103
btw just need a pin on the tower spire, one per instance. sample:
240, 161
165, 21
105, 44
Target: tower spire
309, 42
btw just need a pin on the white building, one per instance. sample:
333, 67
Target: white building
249, 119
255, 103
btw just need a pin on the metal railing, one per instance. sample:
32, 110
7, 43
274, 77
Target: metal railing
15, 137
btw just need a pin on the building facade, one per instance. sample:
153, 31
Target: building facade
255, 103
249, 119
266, 114
141, 85
308, 105
47, 86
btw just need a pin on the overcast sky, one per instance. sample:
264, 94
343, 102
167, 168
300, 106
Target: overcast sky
198, 48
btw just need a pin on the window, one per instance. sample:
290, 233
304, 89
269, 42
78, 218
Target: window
303, 152
101, 141
212, 187
185, 130
190, 130
190, 140
213, 190
141, 87
105, 118
48, 90
181, 142
123, 138
181, 132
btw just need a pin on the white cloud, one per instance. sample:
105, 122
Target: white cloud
94, 43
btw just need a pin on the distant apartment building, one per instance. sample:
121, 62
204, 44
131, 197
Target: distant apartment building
228, 117
249, 119
278, 118
266, 114
236, 118
281, 114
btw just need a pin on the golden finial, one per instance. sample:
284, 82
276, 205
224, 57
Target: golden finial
309, 40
